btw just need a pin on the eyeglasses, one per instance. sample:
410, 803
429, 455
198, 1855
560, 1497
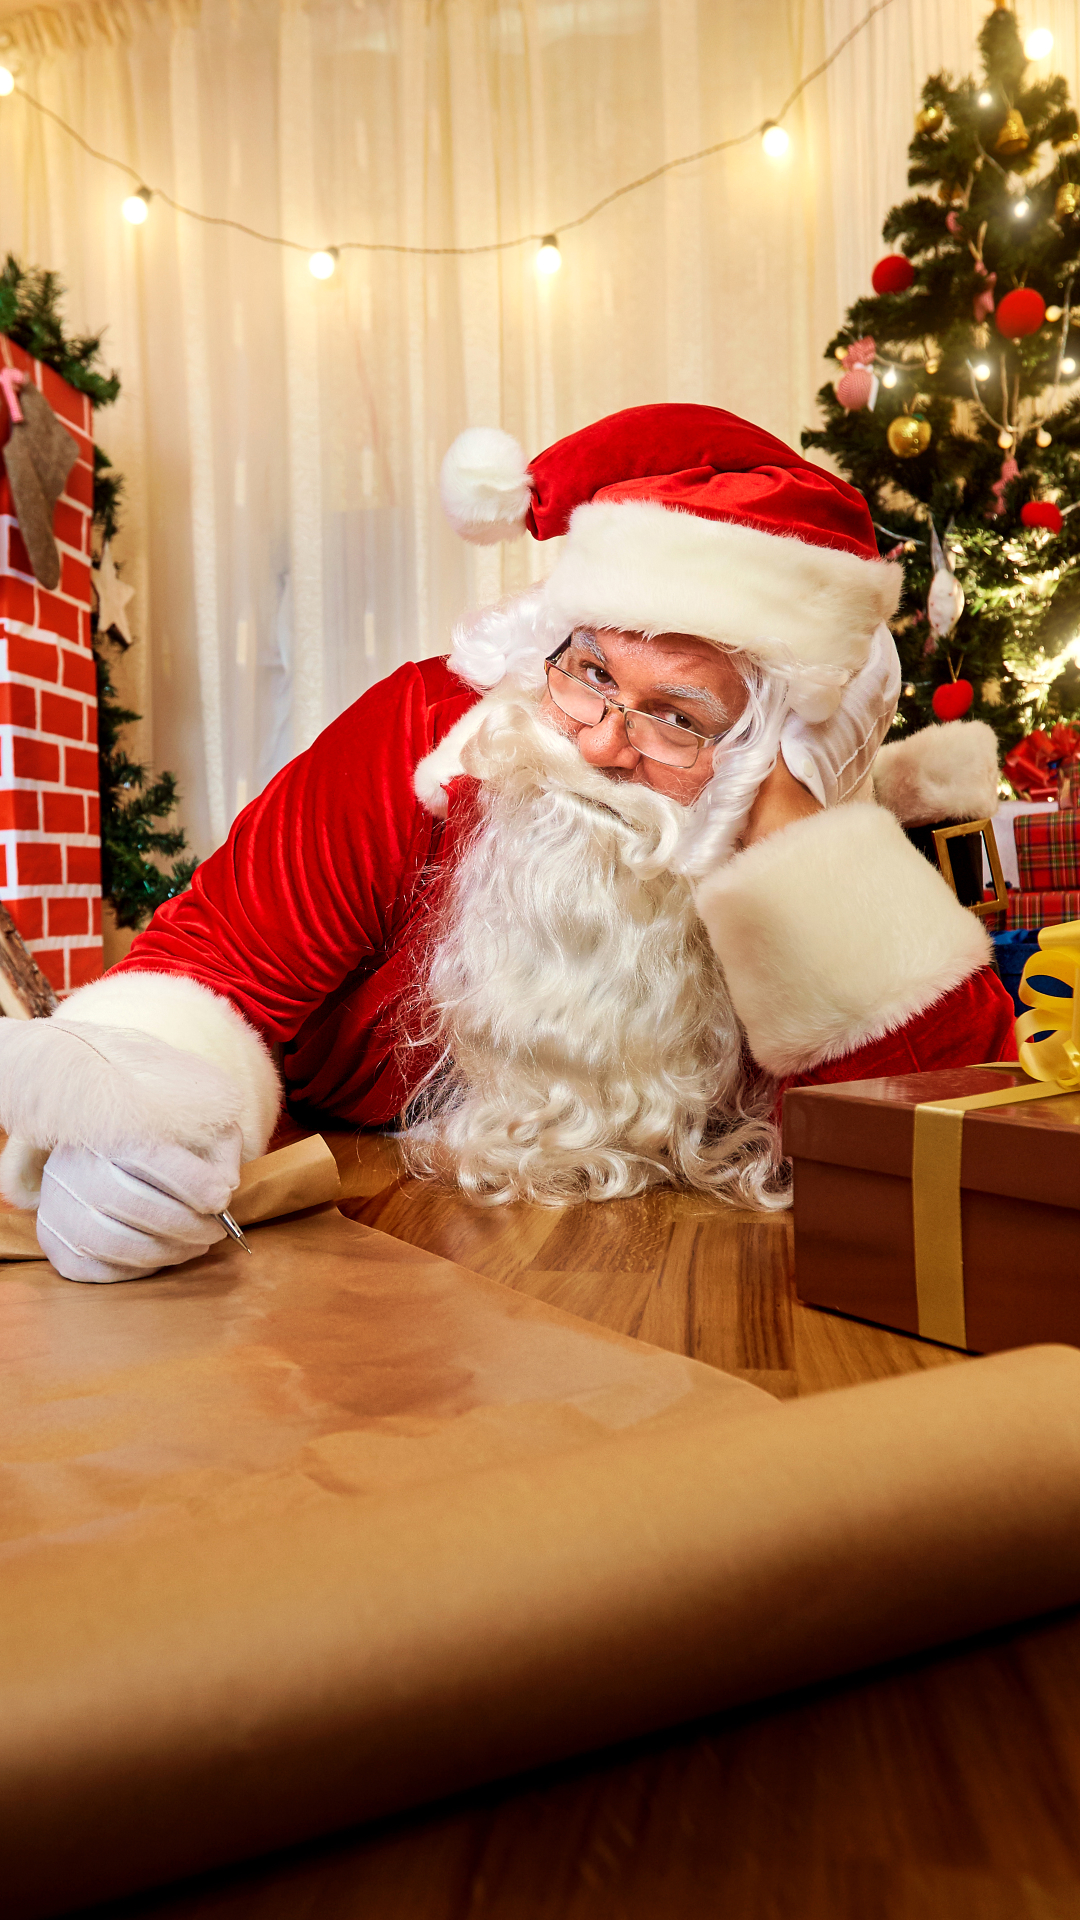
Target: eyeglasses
663, 740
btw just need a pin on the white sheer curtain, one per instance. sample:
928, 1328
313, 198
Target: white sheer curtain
281, 437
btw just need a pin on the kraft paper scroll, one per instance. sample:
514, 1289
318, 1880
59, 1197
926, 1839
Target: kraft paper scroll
291, 1541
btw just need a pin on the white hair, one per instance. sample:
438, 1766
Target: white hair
587, 1044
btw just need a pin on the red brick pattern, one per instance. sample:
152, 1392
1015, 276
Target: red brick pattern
50, 849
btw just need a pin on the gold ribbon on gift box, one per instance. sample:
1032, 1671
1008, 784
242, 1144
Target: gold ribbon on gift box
1048, 1038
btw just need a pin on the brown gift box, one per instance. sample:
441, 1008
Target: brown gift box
875, 1243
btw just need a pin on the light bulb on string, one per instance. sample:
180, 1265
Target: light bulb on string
1038, 43
322, 264
1068, 366
982, 371
7, 80
986, 98
888, 378
1022, 208
1005, 439
137, 206
548, 258
775, 139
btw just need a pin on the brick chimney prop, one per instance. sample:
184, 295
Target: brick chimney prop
50, 843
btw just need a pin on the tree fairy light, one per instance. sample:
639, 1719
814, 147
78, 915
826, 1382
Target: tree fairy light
888, 378
322, 264
548, 258
775, 139
1038, 43
982, 371
7, 80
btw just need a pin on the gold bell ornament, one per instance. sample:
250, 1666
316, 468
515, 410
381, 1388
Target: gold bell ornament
929, 119
1067, 200
908, 435
1013, 137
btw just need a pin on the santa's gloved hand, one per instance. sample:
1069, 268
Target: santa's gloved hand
128, 1144
832, 758
121, 1219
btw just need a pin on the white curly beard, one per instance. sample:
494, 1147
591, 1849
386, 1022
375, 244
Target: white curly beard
588, 1047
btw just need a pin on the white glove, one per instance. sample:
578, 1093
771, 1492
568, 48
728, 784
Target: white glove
832, 758
139, 1141
120, 1219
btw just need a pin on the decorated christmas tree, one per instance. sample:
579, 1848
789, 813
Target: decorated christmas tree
956, 413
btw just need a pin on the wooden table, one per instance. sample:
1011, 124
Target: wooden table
947, 1788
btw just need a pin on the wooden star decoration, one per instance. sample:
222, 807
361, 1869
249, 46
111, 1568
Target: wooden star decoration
112, 597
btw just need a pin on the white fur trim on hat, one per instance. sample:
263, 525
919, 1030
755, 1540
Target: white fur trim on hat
173, 1007
645, 568
833, 932
947, 772
484, 486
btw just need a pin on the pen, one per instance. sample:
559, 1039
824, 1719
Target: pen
233, 1230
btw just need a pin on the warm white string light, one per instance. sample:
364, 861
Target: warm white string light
1039, 43
763, 131
322, 263
137, 206
548, 258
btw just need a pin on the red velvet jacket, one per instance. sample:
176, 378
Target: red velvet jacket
311, 919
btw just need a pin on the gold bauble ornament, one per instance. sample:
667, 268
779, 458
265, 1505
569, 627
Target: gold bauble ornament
1042, 438
929, 119
1067, 200
1013, 137
908, 436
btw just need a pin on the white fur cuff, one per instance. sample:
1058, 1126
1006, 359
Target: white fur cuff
834, 932
191, 1018
945, 772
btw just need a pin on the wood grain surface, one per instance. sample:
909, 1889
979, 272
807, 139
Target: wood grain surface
947, 1788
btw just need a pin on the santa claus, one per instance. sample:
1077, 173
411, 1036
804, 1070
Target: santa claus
569, 908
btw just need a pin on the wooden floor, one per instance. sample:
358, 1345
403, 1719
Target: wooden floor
946, 1789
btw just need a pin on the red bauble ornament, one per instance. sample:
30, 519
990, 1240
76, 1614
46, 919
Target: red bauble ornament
1021, 312
1042, 513
893, 274
951, 701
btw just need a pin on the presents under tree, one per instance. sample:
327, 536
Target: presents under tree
50, 849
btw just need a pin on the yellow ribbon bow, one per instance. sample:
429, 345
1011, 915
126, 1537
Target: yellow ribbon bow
1049, 1036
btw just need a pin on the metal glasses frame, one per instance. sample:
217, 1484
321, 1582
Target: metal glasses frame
628, 713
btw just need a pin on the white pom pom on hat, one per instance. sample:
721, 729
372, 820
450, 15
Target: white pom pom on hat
484, 486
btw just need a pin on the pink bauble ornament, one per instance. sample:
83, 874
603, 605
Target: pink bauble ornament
853, 389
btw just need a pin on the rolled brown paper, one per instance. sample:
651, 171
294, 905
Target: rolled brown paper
290, 1652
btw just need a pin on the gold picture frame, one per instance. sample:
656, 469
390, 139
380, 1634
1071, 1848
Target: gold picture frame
984, 909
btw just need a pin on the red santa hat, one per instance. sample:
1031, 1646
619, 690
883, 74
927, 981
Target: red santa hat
686, 519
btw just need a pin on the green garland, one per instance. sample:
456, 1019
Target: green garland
135, 878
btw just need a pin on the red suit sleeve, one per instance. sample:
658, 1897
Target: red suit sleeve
972, 1023
317, 870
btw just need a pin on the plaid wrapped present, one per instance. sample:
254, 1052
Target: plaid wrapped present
1043, 909
1048, 851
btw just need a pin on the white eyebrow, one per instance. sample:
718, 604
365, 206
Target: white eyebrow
701, 694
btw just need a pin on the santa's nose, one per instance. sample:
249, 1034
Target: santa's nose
606, 744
